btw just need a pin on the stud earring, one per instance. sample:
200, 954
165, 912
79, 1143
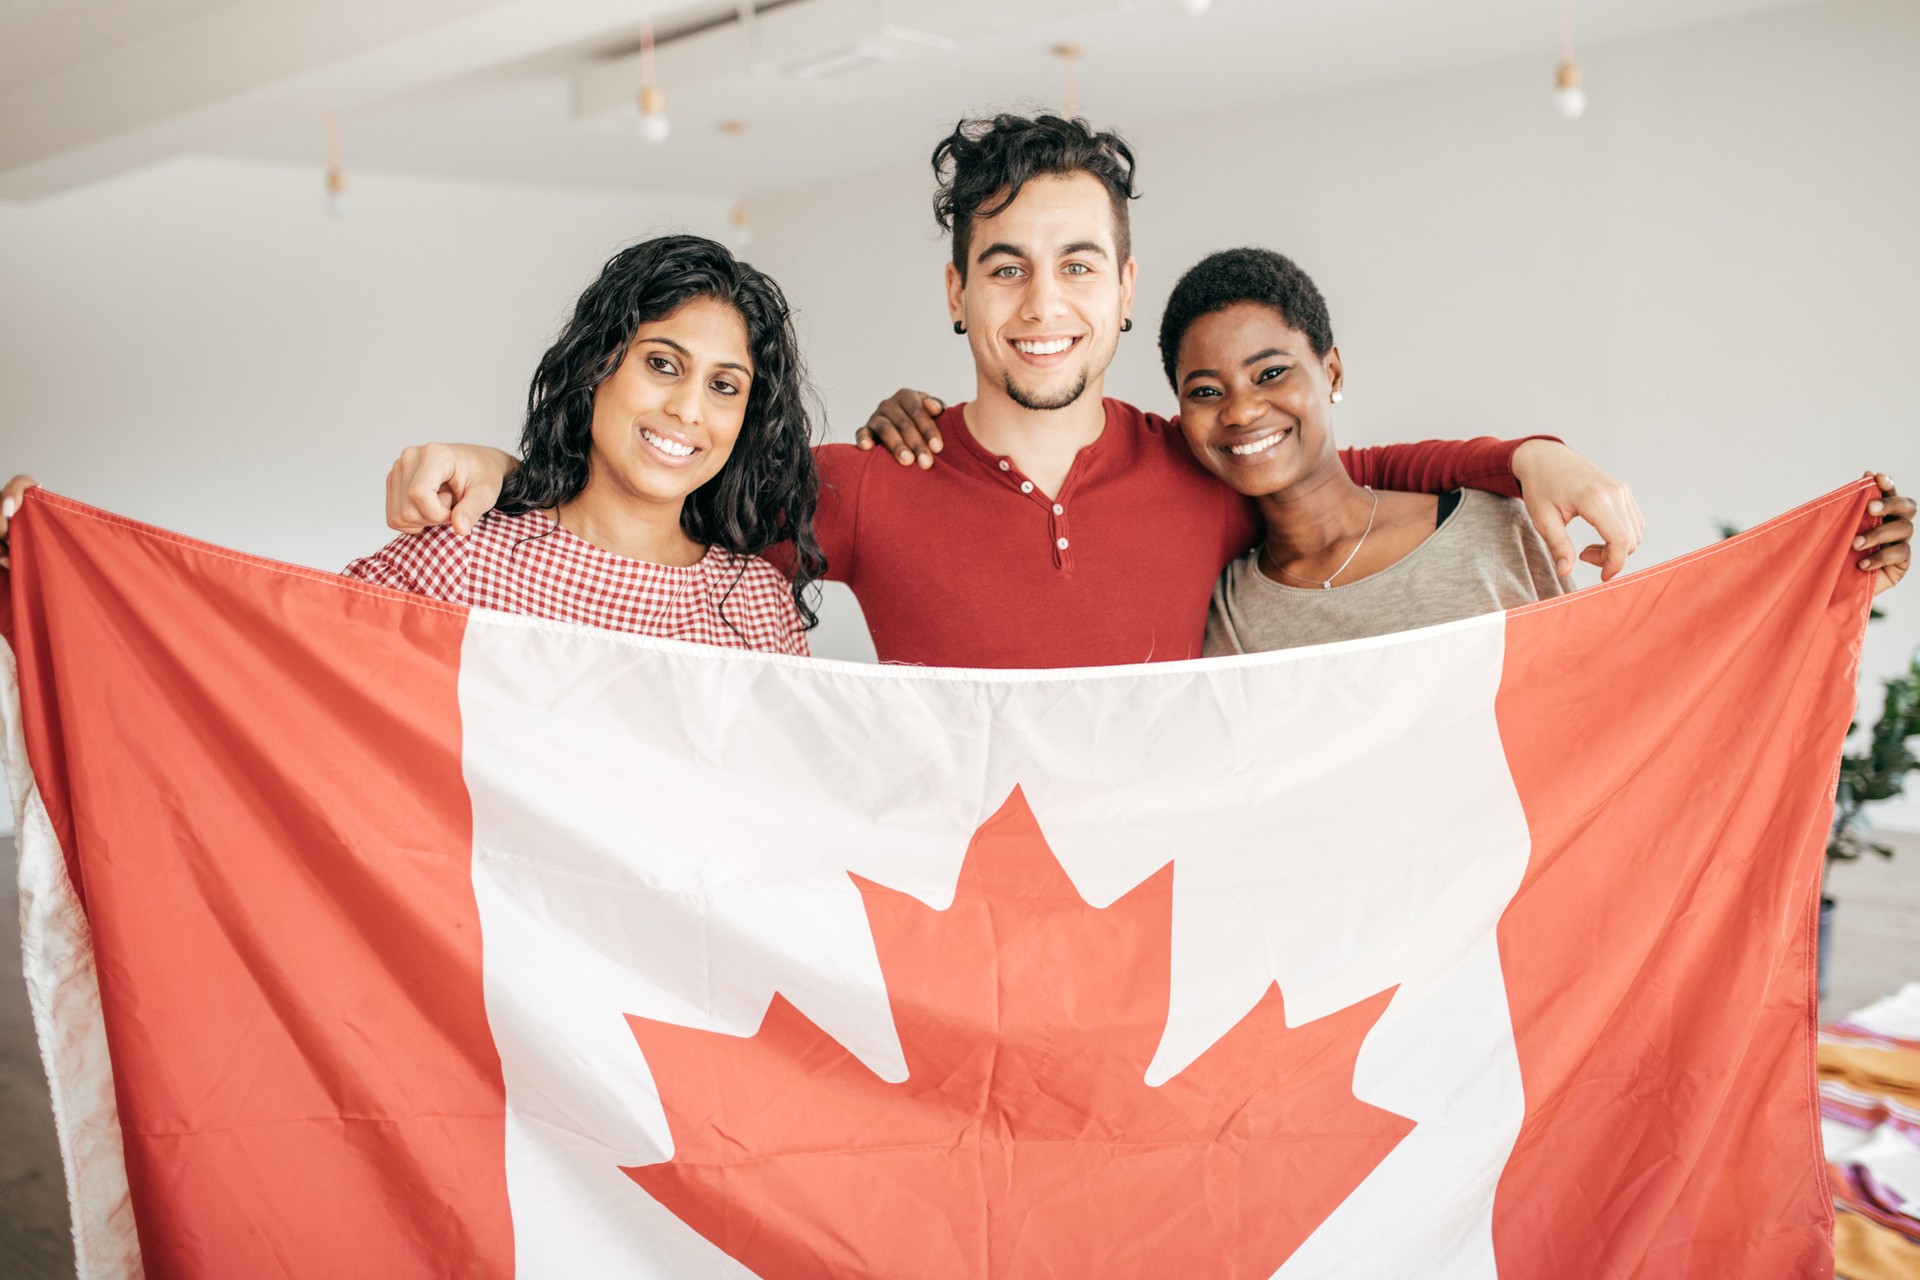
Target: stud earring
1336, 397
959, 326
1126, 326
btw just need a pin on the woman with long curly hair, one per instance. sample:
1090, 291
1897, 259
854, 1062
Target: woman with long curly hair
667, 446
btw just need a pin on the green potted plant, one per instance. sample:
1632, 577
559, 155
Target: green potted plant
1876, 772
1880, 770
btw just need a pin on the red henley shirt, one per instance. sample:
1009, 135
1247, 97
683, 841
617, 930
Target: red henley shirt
970, 565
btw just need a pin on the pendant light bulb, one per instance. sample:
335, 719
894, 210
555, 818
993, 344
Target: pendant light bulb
1568, 97
740, 231
654, 125
336, 174
1069, 55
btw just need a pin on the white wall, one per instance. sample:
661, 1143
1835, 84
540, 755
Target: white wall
203, 345
1708, 283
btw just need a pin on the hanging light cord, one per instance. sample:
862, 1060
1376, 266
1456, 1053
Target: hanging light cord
1069, 55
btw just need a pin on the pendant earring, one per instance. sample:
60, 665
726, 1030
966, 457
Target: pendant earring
959, 326
1126, 326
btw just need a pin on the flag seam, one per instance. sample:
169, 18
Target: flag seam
1856, 491
63, 991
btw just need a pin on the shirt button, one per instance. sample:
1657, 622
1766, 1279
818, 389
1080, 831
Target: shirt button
1062, 544
1059, 510
1026, 486
1005, 465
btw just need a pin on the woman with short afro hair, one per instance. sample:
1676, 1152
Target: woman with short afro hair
1247, 343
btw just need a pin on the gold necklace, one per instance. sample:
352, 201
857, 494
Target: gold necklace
1328, 584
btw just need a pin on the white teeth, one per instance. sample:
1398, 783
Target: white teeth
1261, 445
1052, 348
672, 448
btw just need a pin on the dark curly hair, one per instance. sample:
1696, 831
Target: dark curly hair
1220, 280
768, 489
980, 167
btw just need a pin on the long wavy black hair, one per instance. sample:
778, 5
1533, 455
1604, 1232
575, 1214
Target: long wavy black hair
767, 491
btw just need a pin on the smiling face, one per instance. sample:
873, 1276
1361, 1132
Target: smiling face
1255, 399
665, 421
1044, 295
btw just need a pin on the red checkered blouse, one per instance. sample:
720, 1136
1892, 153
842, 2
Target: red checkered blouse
528, 564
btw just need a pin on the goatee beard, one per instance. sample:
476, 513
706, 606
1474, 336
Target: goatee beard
1026, 401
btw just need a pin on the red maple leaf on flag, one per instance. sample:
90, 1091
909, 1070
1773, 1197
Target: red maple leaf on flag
1025, 1141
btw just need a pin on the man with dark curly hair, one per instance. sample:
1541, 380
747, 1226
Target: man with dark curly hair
1058, 494
1060, 528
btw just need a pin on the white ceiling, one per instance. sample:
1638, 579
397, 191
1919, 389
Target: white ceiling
40, 37
484, 89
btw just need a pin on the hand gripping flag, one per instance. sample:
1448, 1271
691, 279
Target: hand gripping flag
370, 936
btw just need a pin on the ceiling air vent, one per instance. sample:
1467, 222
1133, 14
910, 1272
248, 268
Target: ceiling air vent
888, 44
810, 40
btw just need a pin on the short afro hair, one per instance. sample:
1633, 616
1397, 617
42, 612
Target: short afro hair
984, 159
1220, 280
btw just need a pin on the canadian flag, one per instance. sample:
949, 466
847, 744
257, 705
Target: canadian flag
370, 936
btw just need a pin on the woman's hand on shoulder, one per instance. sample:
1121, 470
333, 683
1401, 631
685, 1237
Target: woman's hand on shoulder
434, 484
1558, 486
1889, 544
9, 503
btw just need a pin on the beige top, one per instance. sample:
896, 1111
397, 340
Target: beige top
1484, 557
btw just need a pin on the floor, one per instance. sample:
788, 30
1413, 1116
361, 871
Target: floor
1876, 931
35, 1241
1876, 948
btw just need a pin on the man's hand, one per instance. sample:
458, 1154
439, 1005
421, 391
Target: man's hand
1889, 544
10, 502
453, 484
904, 426
1558, 485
